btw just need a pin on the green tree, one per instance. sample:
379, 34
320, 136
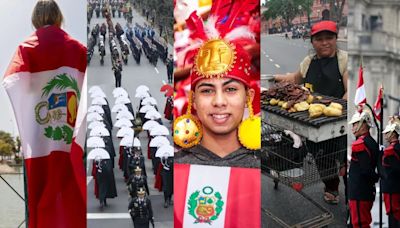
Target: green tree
18, 142
336, 9
8, 139
6, 149
286, 9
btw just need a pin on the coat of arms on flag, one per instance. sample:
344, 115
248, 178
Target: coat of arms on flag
205, 206
59, 110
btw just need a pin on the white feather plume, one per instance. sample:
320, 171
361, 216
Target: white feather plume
239, 32
209, 27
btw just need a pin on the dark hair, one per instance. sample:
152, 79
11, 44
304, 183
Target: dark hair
46, 12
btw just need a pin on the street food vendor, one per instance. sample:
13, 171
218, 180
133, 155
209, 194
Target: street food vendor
324, 71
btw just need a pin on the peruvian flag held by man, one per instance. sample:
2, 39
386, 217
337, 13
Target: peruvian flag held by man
360, 97
44, 81
378, 104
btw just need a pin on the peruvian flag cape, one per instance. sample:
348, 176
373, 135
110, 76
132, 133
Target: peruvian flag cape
44, 81
211, 196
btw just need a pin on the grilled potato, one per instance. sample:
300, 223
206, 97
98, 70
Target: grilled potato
336, 105
316, 110
330, 111
273, 101
302, 106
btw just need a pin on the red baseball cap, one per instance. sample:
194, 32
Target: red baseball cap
329, 26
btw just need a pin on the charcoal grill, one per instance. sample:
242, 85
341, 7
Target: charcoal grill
324, 149
314, 129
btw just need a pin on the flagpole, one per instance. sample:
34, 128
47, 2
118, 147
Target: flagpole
26, 194
381, 153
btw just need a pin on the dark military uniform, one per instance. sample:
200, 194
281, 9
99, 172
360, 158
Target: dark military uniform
141, 212
390, 173
109, 148
170, 69
136, 161
107, 114
136, 183
362, 179
104, 180
167, 174
117, 74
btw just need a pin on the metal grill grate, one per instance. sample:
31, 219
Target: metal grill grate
304, 118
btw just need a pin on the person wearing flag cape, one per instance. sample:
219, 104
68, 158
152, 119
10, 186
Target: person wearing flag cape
217, 170
44, 82
324, 72
390, 172
362, 174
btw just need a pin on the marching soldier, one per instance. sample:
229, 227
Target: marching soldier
167, 175
117, 68
390, 172
170, 68
137, 160
137, 181
103, 175
141, 211
362, 174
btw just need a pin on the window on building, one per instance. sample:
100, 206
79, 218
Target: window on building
364, 23
375, 22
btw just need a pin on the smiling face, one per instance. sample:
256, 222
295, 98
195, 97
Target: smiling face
324, 44
220, 104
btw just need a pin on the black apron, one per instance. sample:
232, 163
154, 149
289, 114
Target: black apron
324, 77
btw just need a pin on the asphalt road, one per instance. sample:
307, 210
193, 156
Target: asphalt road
133, 75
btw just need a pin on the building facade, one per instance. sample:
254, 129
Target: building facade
374, 39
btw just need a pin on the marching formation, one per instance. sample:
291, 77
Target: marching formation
137, 39
131, 161
135, 164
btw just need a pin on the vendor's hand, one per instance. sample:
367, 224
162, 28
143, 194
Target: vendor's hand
296, 139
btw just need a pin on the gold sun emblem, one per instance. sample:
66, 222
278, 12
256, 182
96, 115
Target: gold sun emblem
215, 58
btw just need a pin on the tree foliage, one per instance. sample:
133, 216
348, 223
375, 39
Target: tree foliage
7, 144
287, 9
5, 149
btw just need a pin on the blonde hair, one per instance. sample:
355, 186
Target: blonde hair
46, 12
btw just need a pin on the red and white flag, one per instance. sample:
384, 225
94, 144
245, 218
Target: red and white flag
211, 196
378, 104
360, 97
44, 81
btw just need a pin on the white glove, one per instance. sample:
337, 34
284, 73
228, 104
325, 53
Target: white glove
296, 139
